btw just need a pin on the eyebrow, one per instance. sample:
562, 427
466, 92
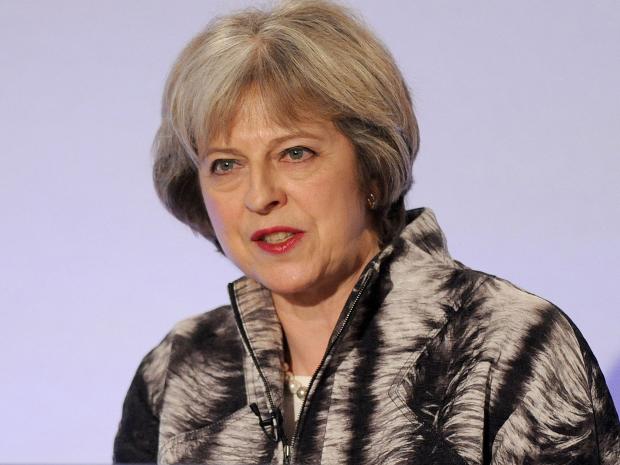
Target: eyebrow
274, 142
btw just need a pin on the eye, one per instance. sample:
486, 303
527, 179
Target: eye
297, 154
223, 166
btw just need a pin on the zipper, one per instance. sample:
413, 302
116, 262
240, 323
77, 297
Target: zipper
275, 419
289, 448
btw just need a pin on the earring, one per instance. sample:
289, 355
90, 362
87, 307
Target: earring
372, 201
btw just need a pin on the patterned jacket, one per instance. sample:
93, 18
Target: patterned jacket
430, 363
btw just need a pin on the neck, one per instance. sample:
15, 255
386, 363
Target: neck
308, 321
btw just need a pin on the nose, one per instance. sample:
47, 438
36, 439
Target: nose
264, 191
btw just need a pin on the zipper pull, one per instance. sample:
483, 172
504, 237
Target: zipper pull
267, 422
287, 454
274, 422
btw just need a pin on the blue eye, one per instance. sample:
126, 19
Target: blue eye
296, 154
223, 166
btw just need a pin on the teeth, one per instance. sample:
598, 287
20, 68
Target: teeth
277, 237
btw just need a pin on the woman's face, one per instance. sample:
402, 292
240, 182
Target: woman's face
285, 203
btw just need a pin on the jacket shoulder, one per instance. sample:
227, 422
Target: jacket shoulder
137, 438
511, 310
184, 337
539, 377
494, 320
546, 379
528, 341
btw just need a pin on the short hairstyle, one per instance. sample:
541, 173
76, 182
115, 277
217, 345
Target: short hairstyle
303, 57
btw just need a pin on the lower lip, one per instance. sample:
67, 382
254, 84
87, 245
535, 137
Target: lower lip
280, 247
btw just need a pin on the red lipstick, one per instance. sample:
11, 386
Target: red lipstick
279, 247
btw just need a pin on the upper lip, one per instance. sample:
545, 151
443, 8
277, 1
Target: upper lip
259, 234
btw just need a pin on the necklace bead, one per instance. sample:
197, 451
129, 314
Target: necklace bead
301, 392
294, 386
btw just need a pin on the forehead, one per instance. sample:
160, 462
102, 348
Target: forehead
257, 116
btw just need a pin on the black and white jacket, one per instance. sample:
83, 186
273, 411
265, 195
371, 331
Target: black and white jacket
430, 363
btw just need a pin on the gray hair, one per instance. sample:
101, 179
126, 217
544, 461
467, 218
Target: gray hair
303, 57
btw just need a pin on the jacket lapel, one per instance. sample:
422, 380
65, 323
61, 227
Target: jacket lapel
258, 319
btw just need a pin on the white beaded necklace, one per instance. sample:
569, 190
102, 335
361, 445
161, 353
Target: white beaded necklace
292, 384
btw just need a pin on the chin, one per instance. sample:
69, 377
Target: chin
285, 282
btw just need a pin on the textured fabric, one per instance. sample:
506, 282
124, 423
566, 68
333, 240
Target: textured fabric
430, 363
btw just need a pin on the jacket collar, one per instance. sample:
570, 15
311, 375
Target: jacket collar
421, 245
421, 242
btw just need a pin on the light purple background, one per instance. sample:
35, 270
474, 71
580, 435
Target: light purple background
518, 104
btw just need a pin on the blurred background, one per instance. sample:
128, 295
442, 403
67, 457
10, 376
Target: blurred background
518, 105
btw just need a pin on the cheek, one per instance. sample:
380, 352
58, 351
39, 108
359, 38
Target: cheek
343, 192
223, 222
336, 205
220, 215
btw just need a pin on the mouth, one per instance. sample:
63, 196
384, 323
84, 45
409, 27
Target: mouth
277, 240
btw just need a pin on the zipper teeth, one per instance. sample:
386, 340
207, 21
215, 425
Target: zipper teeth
246, 340
325, 355
244, 335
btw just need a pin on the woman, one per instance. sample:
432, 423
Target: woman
287, 139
